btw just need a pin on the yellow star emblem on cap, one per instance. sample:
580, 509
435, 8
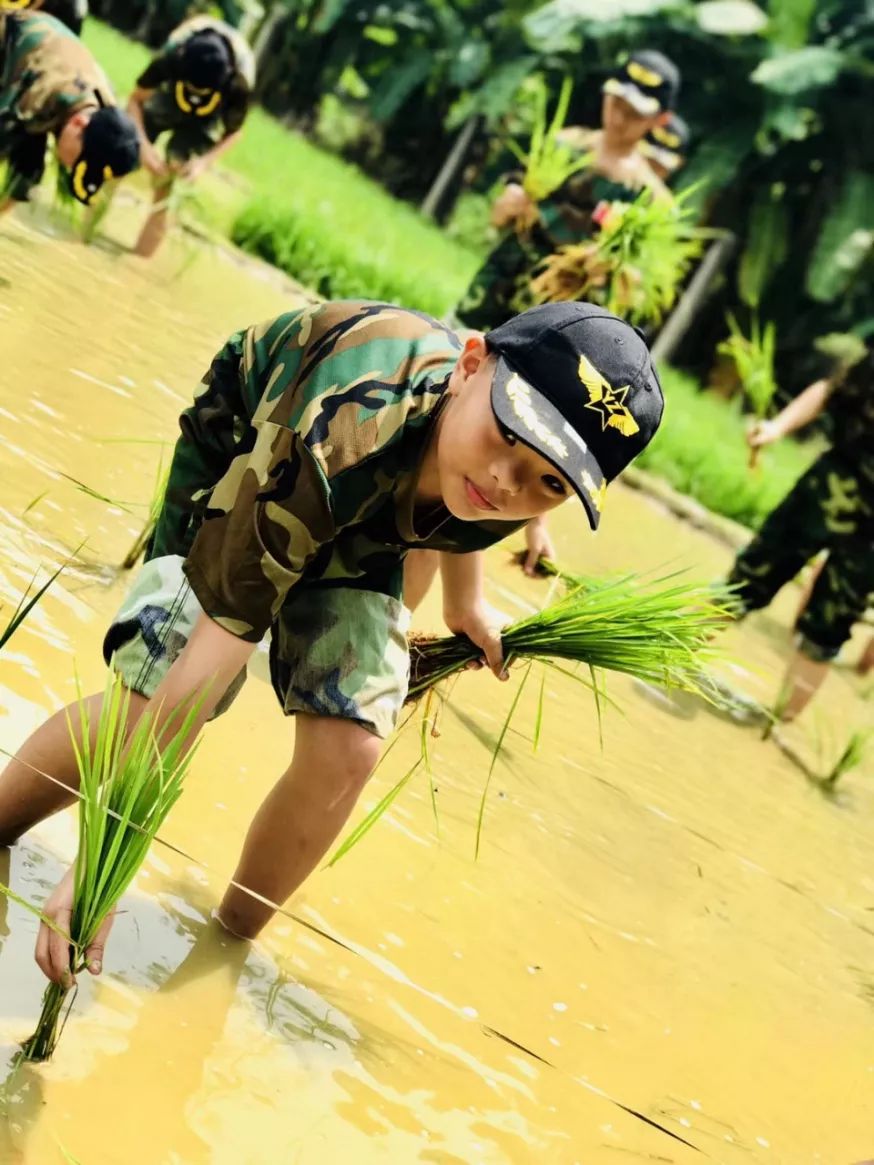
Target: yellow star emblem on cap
607, 401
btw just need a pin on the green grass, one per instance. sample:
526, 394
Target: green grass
312, 214
700, 450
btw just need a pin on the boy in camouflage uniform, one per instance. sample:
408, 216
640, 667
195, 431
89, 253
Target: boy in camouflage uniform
636, 99
830, 508
50, 84
322, 447
197, 90
69, 12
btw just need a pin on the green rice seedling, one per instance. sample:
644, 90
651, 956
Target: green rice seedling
26, 604
155, 505
753, 358
548, 162
633, 266
658, 632
853, 755
127, 787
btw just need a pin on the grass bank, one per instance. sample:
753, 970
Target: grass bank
312, 214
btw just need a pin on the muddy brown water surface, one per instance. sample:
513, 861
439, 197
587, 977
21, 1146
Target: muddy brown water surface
665, 951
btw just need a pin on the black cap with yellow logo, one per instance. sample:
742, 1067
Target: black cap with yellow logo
667, 144
648, 81
577, 385
110, 149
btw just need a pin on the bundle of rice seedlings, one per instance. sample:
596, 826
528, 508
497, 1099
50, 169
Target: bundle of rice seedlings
26, 604
548, 162
753, 358
127, 787
852, 756
633, 266
658, 632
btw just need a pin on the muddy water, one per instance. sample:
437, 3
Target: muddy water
665, 951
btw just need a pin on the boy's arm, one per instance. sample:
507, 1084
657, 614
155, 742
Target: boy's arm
465, 609
800, 412
194, 167
210, 661
149, 155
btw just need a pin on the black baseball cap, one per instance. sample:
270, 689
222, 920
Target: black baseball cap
577, 385
207, 60
667, 144
110, 149
648, 81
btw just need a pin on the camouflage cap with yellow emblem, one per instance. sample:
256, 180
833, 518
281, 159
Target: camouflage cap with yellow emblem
648, 81
577, 385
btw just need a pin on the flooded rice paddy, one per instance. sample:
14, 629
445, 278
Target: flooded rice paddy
665, 951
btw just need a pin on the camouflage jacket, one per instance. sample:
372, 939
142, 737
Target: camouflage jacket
163, 73
330, 410
46, 75
70, 12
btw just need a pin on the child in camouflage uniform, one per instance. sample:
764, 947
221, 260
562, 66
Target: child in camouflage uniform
50, 84
636, 99
69, 12
197, 90
831, 508
322, 447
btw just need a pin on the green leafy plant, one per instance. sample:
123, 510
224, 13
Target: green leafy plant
548, 162
853, 755
127, 787
26, 604
155, 505
633, 266
753, 358
659, 631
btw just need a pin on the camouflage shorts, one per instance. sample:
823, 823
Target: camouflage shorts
334, 650
830, 508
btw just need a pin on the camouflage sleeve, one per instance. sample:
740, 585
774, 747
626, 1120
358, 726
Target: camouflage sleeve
158, 71
266, 520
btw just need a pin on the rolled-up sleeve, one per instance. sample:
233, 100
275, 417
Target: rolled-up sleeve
266, 520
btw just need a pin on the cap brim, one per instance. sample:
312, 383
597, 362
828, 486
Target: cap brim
636, 98
536, 422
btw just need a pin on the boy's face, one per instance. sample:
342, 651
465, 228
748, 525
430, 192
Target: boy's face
484, 472
623, 124
69, 140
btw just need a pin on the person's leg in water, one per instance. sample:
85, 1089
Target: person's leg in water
181, 148
837, 600
299, 819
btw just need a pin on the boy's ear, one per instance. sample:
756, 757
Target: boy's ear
664, 117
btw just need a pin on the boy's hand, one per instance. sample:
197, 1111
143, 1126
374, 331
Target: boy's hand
512, 205
53, 949
482, 625
193, 169
763, 433
538, 544
152, 160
